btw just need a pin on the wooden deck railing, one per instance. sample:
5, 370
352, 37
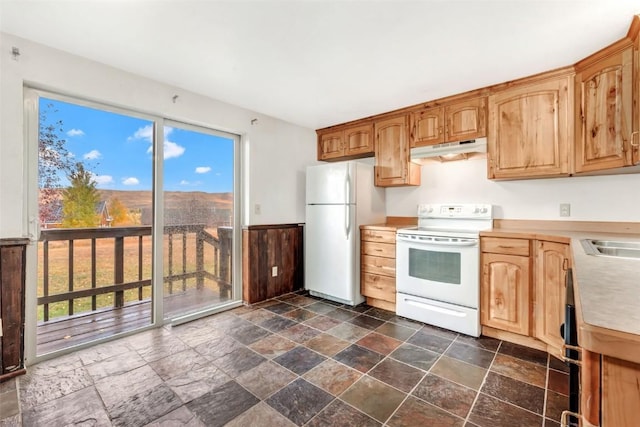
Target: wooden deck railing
220, 271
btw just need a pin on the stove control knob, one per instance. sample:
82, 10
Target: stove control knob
484, 210
476, 210
430, 209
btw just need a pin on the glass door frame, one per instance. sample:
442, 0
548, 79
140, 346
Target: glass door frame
236, 252
31, 117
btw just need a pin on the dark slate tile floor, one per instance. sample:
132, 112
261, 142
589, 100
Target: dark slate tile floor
294, 360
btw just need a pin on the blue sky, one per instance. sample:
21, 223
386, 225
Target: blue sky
117, 150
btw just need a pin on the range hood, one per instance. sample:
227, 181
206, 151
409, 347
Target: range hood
450, 149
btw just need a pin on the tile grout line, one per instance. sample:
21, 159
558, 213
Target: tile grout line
484, 379
421, 379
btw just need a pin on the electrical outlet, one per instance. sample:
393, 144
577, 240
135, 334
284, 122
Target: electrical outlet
274, 271
257, 209
565, 209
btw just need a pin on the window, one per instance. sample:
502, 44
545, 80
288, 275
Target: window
100, 173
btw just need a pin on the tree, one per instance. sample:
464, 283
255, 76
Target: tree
118, 212
53, 159
80, 199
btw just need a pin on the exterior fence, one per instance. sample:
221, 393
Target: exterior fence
179, 267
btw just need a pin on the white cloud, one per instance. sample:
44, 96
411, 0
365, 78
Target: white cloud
203, 169
75, 132
184, 182
171, 149
132, 180
102, 180
92, 155
190, 183
146, 133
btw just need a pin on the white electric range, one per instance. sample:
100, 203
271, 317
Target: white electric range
438, 266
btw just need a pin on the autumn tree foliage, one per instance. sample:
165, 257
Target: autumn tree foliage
79, 200
118, 212
54, 161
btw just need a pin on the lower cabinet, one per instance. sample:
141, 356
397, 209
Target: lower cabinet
523, 288
551, 265
272, 261
12, 284
506, 285
609, 391
378, 266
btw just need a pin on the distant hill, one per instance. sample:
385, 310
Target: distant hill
173, 199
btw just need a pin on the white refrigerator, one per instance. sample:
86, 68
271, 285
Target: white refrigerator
340, 197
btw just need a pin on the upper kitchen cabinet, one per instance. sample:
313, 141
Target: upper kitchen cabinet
393, 165
427, 127
346, 142
634, 34
458, 121
529, 129
604, 98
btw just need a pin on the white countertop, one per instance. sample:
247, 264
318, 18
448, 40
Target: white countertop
608, 287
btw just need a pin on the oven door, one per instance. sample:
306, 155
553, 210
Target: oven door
439, 268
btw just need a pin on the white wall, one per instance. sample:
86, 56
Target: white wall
278, 152
592, 198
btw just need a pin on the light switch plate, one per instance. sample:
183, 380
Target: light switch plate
565, 209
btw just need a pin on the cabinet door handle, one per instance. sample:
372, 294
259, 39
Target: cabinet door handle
637, 144
566, 347
565, 264
564, 418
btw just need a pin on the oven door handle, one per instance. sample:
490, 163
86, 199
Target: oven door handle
431, 242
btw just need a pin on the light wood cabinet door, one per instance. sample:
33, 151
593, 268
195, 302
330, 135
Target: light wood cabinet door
529, 132
358, 140
551, 264
466, 120
620, 394
604, 113
393, 165
330, 145
505, 292
427, 127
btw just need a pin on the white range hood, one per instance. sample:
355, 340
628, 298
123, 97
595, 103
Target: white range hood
478, 145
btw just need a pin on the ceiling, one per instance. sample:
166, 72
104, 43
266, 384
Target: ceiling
319, 63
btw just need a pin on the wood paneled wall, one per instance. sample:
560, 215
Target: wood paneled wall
268, 246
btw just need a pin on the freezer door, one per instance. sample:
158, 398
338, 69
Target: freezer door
330, 184
330, 251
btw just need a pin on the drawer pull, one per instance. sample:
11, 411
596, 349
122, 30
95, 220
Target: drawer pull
566, 347
564, 419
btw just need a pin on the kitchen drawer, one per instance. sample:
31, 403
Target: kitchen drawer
379, 265
387, 250
378, 236
501, 245
379, 287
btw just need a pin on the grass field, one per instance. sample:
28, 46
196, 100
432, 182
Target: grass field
105, 266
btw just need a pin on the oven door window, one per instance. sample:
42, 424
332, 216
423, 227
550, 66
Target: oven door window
435, 266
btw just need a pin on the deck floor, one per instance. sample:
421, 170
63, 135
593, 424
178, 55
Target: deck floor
78, 329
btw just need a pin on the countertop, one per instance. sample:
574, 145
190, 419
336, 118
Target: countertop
607, 289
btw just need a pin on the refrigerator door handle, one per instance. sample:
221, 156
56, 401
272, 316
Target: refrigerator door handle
347, 187
347, 221
347, 197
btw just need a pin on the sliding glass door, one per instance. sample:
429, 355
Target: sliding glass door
95, 177
135, 219
199, 212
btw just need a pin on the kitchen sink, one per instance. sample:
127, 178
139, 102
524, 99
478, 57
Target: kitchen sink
612, 248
